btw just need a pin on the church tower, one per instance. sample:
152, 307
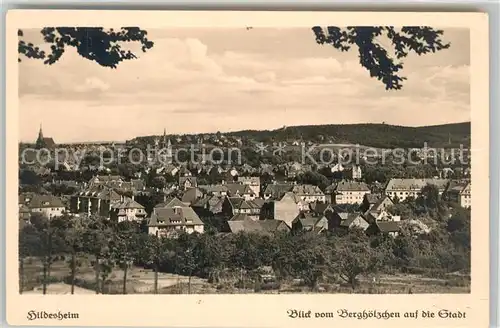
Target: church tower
40, 143
166, 148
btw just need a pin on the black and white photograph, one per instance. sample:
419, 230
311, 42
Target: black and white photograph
247, 160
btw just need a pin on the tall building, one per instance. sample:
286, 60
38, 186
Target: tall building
42, 142
165, 152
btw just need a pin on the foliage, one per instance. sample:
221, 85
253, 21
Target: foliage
310, 257
373, 56
104, 46
313, 178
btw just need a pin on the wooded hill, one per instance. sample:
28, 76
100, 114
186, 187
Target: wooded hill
374, 135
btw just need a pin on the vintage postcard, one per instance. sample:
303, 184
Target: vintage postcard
247, 169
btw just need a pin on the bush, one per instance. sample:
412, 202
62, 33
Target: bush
458, 282
271, 286
257, 287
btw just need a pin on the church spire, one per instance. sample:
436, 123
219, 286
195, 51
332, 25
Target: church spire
164, 141
39, 143
40, 133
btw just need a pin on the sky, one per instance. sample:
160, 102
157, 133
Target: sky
207, 80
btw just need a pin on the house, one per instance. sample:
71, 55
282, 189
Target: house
246, 224
368, 201
48, 205
24, 215
215, 204
322, 209
446, 173
186, 182
404, 188
356, 173
96, 199
216, 190
247, 169
293, 169
191, 195
376, 203
337, 168
277, 190
286, 209
392, 228
309, 193
105, 179
460, 192
171, 220
169, 169
208, 205
353, 221
349, 192
238, 205
253, 182
242, 217
127, 210
25, 198
373, 216
170, 202
240, 190
310, 222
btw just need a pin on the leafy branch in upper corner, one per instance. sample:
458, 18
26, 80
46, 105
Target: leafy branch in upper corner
94, 43
104, 45
373, 56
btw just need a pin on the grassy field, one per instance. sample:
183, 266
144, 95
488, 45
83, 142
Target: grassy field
141, 281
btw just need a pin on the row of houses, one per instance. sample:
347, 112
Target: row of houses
283, 206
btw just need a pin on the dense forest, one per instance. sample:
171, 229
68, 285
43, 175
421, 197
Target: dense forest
371, 135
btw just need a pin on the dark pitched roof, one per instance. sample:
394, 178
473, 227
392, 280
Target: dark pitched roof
191, 195
216, 189
128, 203
388, 226
192, 180
49, 142
238, 189
415, 184
240, 217
351, 186
100, 191
45, 201
171, 202
319, 207
173, 216
306, 189
277, 191
256, 203
201, 202
351, 217
379, 202
309, 220
258, 226
239, 203
25, 197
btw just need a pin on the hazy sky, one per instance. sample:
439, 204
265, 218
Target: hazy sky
205, 80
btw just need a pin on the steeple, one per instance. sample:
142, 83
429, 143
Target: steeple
40, 133
164, 141
40, 143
